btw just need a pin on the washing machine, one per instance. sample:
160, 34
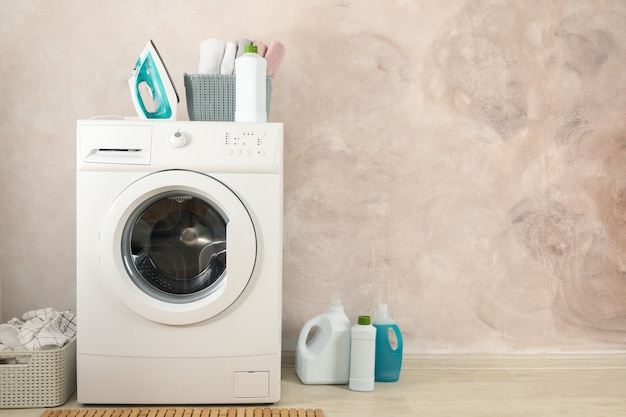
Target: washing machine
179, 262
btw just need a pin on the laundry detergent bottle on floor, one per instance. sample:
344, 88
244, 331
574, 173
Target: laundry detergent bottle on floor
323, 350
388, 347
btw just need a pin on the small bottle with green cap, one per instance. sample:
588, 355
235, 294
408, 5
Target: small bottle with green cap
362, 355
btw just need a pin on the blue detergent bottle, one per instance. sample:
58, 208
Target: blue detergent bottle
388, 347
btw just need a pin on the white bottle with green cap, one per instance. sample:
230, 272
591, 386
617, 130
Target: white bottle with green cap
362, 355
250, 87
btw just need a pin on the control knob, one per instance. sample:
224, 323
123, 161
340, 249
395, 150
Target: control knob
179, 139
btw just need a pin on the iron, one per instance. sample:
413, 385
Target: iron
152, 89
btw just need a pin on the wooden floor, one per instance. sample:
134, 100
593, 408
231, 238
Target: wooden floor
468, 386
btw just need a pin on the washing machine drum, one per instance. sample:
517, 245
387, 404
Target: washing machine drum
174, 247
164, 246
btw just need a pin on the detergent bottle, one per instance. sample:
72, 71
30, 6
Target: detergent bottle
388, 347
362, 355
324, 357
250, 87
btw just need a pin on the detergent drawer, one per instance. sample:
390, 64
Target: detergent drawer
115, 144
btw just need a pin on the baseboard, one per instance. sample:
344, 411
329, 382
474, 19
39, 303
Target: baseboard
502, 361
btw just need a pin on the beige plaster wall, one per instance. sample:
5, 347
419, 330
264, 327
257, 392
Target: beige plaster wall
463, 161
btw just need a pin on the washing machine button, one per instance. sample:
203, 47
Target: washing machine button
179, 139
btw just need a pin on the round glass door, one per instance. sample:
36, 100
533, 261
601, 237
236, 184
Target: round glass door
174, 247
163, 247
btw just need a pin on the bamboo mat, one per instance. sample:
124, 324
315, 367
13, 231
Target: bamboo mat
184, 412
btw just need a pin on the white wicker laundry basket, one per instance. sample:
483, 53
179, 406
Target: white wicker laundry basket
48, 380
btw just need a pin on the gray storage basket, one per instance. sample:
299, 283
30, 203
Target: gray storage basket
48, 380
211, 97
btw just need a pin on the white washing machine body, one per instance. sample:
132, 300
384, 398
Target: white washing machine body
179, 262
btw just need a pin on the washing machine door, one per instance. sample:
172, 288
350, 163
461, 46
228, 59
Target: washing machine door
177, 247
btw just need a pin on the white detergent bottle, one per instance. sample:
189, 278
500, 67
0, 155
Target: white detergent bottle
323, 350
250, 87
362, 355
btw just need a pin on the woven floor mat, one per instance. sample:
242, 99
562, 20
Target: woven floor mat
184, 412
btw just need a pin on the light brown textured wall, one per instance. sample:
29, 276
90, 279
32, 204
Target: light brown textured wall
462, 161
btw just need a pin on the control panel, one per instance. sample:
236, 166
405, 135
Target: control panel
244, 143
205, 146
239, 142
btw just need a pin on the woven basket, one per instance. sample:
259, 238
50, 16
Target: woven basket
48, 380
212, 97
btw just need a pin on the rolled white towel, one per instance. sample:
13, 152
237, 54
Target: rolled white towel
228, 61
211, 54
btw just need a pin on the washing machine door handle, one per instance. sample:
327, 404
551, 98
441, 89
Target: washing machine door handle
241, 248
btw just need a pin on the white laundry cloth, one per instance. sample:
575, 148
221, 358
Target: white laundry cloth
37, 330
228, 61
211, 54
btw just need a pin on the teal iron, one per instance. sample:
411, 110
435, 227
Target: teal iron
151, 87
